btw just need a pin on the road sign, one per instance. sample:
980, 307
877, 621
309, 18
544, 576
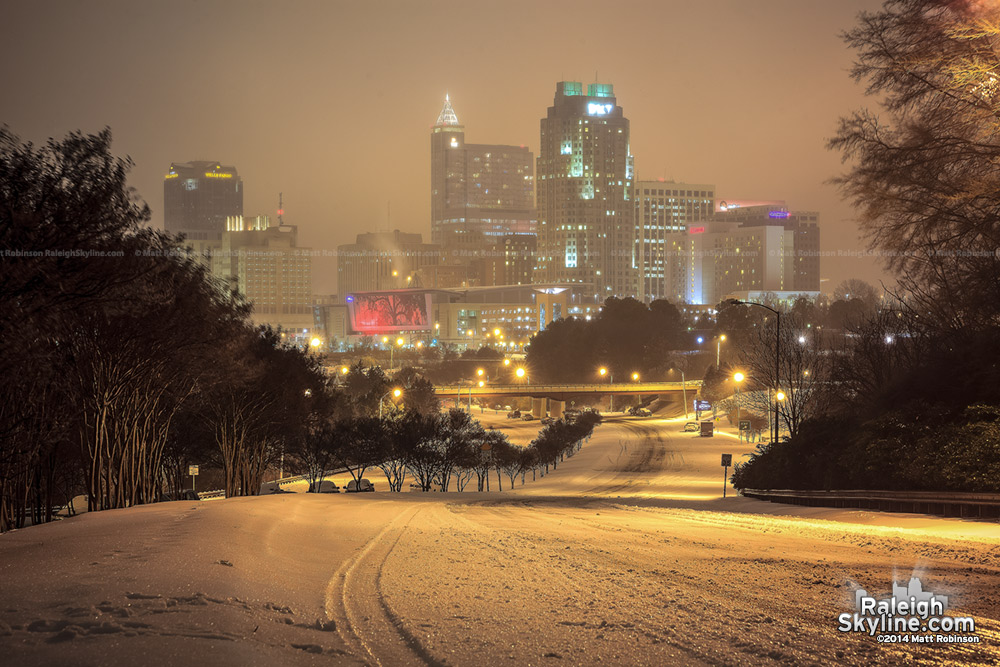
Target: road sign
727, 460
193, 470
702, 405
744, 424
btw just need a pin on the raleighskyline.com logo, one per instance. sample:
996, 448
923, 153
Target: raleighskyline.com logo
909, 615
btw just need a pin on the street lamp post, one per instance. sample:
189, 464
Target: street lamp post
611, 380
685, 393
392, 349
395, 393
718, 349
777, 354
738, 377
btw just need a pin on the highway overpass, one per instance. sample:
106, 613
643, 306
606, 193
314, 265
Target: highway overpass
560, 392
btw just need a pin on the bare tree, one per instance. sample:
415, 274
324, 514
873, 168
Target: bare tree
923, 175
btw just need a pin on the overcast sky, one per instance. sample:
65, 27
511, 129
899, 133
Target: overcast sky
332, 102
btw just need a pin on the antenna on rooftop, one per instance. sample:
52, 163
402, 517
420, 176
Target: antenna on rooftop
281, 210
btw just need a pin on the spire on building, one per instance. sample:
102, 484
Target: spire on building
447, 115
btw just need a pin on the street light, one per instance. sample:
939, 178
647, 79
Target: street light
399, 342
602, 371
777, 352
684, 390
520, 373
315, 342
738, 377
635, 377
718, 348
395, 393
779, 396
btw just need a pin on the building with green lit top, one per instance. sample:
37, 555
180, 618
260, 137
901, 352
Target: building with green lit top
584, 174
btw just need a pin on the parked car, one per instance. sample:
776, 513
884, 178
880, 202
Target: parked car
354, 487
325, 486
527, 417
514, 414
639, 412
692, 427
507, 408
547, 420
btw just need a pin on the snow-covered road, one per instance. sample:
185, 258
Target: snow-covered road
626, 554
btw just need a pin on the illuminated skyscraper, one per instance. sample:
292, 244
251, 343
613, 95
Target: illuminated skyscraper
665, 210
198, 197
483, 188
586, 218
803, 256
265, 263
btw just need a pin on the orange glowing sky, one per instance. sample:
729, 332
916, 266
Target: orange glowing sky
331, 102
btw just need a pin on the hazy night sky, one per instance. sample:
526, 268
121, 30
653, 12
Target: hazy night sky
332, 102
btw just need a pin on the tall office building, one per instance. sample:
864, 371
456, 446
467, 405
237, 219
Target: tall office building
478, 188
803, 254
265, 263
665, 210
724, 259
510, 262
198, 197
586, 217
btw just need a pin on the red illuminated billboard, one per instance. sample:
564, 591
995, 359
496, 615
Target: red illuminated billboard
385, 312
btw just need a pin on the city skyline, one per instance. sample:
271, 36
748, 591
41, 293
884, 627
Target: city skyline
334, 112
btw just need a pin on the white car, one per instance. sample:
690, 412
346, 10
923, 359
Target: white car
354, 487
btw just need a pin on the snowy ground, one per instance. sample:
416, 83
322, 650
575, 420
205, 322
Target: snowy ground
627, 554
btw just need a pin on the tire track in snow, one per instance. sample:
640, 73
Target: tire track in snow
354, 599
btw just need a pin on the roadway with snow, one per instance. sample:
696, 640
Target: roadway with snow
626, 554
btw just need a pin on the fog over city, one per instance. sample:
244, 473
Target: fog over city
331, 103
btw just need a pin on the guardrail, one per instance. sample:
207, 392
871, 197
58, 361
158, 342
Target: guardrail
964, 505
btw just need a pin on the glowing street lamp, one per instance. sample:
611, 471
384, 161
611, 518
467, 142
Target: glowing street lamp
315, 342
738, 377
395, 393
718, 348
392, 350
635, 377
602, 371
520, 373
